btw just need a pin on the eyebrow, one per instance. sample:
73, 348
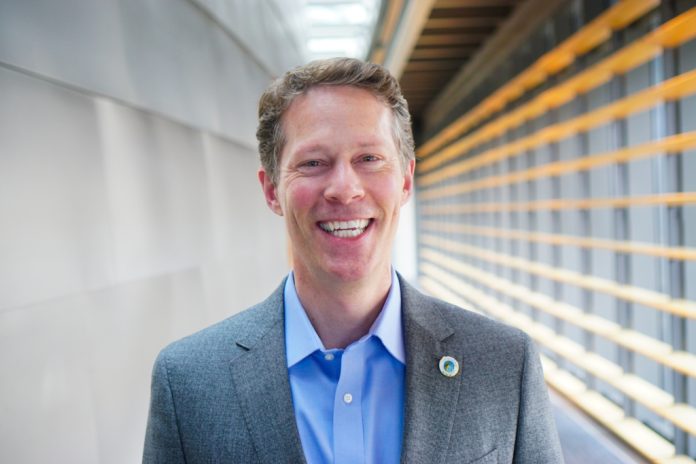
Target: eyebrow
370, 143
314, 147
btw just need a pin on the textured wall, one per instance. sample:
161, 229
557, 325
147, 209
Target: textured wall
129, 208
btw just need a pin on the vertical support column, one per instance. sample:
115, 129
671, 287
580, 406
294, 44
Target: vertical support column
589, 338
532, 226
666, 121
556, 224
514, 221
580, 18
478, 219
505, 221
497, 222
620, 219
491, 196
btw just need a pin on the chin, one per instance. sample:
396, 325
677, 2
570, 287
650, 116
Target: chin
354, 271
343, 268
347, 273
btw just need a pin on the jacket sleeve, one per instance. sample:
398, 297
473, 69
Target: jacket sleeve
162, 439
537, 439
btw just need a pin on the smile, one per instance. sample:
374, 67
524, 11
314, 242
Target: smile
345, 229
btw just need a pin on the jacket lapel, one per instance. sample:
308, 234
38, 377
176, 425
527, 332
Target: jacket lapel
260, 378
431, 397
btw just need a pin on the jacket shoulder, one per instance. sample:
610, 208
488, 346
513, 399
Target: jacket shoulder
472, 324
442, 318
223, 338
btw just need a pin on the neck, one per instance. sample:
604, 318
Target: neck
342, 312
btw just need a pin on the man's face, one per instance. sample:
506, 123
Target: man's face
340, 184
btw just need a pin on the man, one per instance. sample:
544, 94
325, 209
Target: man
345, 362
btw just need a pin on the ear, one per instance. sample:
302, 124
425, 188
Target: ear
408, 181
269, 191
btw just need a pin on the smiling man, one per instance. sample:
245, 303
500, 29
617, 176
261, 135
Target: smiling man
345, 362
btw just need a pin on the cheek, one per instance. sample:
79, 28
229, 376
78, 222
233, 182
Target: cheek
300, 197
389, 192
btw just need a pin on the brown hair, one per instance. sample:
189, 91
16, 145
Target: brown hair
334, 71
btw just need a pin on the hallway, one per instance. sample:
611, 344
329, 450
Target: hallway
555, 192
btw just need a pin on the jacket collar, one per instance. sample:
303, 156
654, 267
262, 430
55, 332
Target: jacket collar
260, 377
261, 381
427, 425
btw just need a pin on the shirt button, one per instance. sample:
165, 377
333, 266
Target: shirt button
329, 356
347, 398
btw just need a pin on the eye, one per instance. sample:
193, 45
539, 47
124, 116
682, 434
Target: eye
369, 158
310, 164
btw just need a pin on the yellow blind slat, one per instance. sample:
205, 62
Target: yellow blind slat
678, 253
670, 145
599, 30
656, 300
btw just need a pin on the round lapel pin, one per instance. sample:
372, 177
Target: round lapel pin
449, 367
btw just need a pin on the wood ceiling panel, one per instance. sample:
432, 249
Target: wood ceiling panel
414, 86
462, 22
450, 39
483, 30
434, 65
501, 11
424, 76
435, 53
472, 3
451, 35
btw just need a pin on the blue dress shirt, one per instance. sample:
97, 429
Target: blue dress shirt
349, 404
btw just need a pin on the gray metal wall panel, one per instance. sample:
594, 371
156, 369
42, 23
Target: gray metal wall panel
130, 211
166, 57
155, 182
260, 25
54, 227
47, 396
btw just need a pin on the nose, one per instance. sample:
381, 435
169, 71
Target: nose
344, 184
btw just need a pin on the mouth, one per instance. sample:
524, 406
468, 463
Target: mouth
346, 229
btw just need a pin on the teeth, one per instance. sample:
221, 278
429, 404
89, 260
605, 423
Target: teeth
345, 229
348, 233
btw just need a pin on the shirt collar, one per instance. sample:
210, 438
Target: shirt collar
387, 326
301, 339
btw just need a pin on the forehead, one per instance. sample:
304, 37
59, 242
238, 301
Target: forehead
324, 98
343, 111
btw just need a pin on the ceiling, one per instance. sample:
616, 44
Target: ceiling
452, 33
339, 27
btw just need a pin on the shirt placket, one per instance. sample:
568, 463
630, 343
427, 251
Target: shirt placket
349, 446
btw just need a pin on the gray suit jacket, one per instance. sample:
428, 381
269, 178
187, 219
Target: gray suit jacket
222, 395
